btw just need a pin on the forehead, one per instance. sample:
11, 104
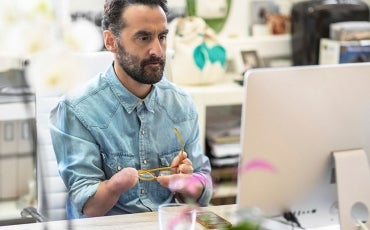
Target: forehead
142, 17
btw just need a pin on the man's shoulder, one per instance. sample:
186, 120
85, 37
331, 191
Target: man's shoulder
86, 92
168, 87
175, 99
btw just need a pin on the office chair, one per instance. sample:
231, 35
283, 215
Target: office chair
51, 191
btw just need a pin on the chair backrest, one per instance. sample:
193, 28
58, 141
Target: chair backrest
51, 191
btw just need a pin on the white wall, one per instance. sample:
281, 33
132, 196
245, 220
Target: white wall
86, 5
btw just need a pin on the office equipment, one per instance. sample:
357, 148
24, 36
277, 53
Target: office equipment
293, 120
350, 31
336, 52
311, 21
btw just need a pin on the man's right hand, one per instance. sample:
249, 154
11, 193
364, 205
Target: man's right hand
109, 192
125, 179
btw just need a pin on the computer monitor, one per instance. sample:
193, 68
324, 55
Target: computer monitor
293, 119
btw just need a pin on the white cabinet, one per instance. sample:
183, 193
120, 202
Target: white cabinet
222, 94
16, 157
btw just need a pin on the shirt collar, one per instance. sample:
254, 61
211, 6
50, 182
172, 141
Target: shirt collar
128, 100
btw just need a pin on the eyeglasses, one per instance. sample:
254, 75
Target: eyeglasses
149, 174
179, 137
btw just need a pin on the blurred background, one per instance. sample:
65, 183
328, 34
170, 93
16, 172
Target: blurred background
255, 34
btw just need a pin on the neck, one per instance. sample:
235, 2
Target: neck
140, 90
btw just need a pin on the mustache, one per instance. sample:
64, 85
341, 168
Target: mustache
153, 60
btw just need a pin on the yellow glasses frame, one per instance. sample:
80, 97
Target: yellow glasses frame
150, 172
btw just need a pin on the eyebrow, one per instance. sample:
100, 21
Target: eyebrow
147, 33
164, 32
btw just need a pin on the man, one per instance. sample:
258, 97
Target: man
123, 122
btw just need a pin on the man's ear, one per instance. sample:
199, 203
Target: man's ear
109, 40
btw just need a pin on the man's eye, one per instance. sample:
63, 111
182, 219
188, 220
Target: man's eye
144, 38
163, 37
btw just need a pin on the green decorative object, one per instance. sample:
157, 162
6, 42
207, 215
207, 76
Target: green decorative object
245, 226
216, 24
214, 54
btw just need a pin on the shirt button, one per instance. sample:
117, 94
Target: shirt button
142, 191
142, 132
119, 168
144, 161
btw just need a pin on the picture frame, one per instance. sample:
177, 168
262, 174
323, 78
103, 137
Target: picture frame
244, 60
250, 59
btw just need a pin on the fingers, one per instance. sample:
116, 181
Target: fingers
164, 180
172, 180
186, 184
186, 168
183, 164
183, 155
178, 159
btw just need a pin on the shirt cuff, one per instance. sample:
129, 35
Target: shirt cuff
81, 197
207, 192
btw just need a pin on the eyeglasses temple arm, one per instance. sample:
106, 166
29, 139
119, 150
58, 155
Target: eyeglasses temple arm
155, 169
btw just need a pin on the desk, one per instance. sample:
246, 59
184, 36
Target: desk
140, 221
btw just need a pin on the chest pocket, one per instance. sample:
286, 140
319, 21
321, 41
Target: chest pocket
114, 162
166, 158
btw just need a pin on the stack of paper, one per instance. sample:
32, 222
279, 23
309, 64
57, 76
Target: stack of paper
223, 140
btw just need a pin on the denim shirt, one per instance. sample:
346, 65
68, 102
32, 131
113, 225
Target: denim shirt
103, 128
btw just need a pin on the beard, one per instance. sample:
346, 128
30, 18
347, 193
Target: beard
141, 70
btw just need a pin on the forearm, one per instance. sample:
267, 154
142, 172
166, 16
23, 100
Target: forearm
103, 200
109, 192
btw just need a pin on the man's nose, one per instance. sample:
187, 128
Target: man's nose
156, 48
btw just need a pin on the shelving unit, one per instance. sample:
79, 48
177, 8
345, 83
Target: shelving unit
16, 159
222, 94
228, 93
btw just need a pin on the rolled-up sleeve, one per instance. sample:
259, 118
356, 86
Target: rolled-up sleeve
202, 166
78, 156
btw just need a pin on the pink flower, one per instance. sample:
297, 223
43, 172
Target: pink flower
257, 165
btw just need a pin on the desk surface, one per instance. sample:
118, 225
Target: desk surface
140, 221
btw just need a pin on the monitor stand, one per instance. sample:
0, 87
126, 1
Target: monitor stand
353, 186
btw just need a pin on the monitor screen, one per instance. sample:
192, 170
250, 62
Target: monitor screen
293, 119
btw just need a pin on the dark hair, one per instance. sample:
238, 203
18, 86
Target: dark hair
113, 9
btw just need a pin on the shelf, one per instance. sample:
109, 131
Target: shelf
224, 193
224, 93
268, 46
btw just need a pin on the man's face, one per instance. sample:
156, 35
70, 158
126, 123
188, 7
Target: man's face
146, 71
141, 51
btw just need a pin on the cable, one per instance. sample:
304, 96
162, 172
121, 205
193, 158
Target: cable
289, 216
362, 225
